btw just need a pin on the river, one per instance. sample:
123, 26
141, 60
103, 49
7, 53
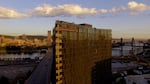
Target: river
21, 56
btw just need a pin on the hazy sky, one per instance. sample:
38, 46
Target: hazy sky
126, 18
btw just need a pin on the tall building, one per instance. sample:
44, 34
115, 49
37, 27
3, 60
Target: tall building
49, 38
0, 41
82, 54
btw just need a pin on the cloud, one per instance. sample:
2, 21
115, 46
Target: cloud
63, 10
46, 10
102, 11
137, 7
133, 6
10, 13
115, 10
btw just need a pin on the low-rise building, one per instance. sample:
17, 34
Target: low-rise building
138, 79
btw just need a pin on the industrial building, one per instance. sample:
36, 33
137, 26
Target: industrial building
82, 54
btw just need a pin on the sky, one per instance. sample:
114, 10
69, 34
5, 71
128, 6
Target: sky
126, 18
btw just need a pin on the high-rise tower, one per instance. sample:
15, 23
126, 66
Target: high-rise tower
82, 54
0, 41
49, 38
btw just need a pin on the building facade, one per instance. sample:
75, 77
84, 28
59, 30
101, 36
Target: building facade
82, 54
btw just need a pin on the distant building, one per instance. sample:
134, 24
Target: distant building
49, 38
24, 37
138, 79
0, 41
148, 41
82, 54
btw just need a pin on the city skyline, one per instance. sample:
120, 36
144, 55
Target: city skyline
127, 19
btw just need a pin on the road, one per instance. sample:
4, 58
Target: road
41, 75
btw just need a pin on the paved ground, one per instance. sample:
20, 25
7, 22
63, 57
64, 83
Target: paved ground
41, 75
12, 71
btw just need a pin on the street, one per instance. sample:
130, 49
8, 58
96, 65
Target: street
41, 75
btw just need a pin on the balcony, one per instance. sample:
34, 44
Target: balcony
58, 40
58, 35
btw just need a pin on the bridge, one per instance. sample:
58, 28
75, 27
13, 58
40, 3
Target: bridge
41, 74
